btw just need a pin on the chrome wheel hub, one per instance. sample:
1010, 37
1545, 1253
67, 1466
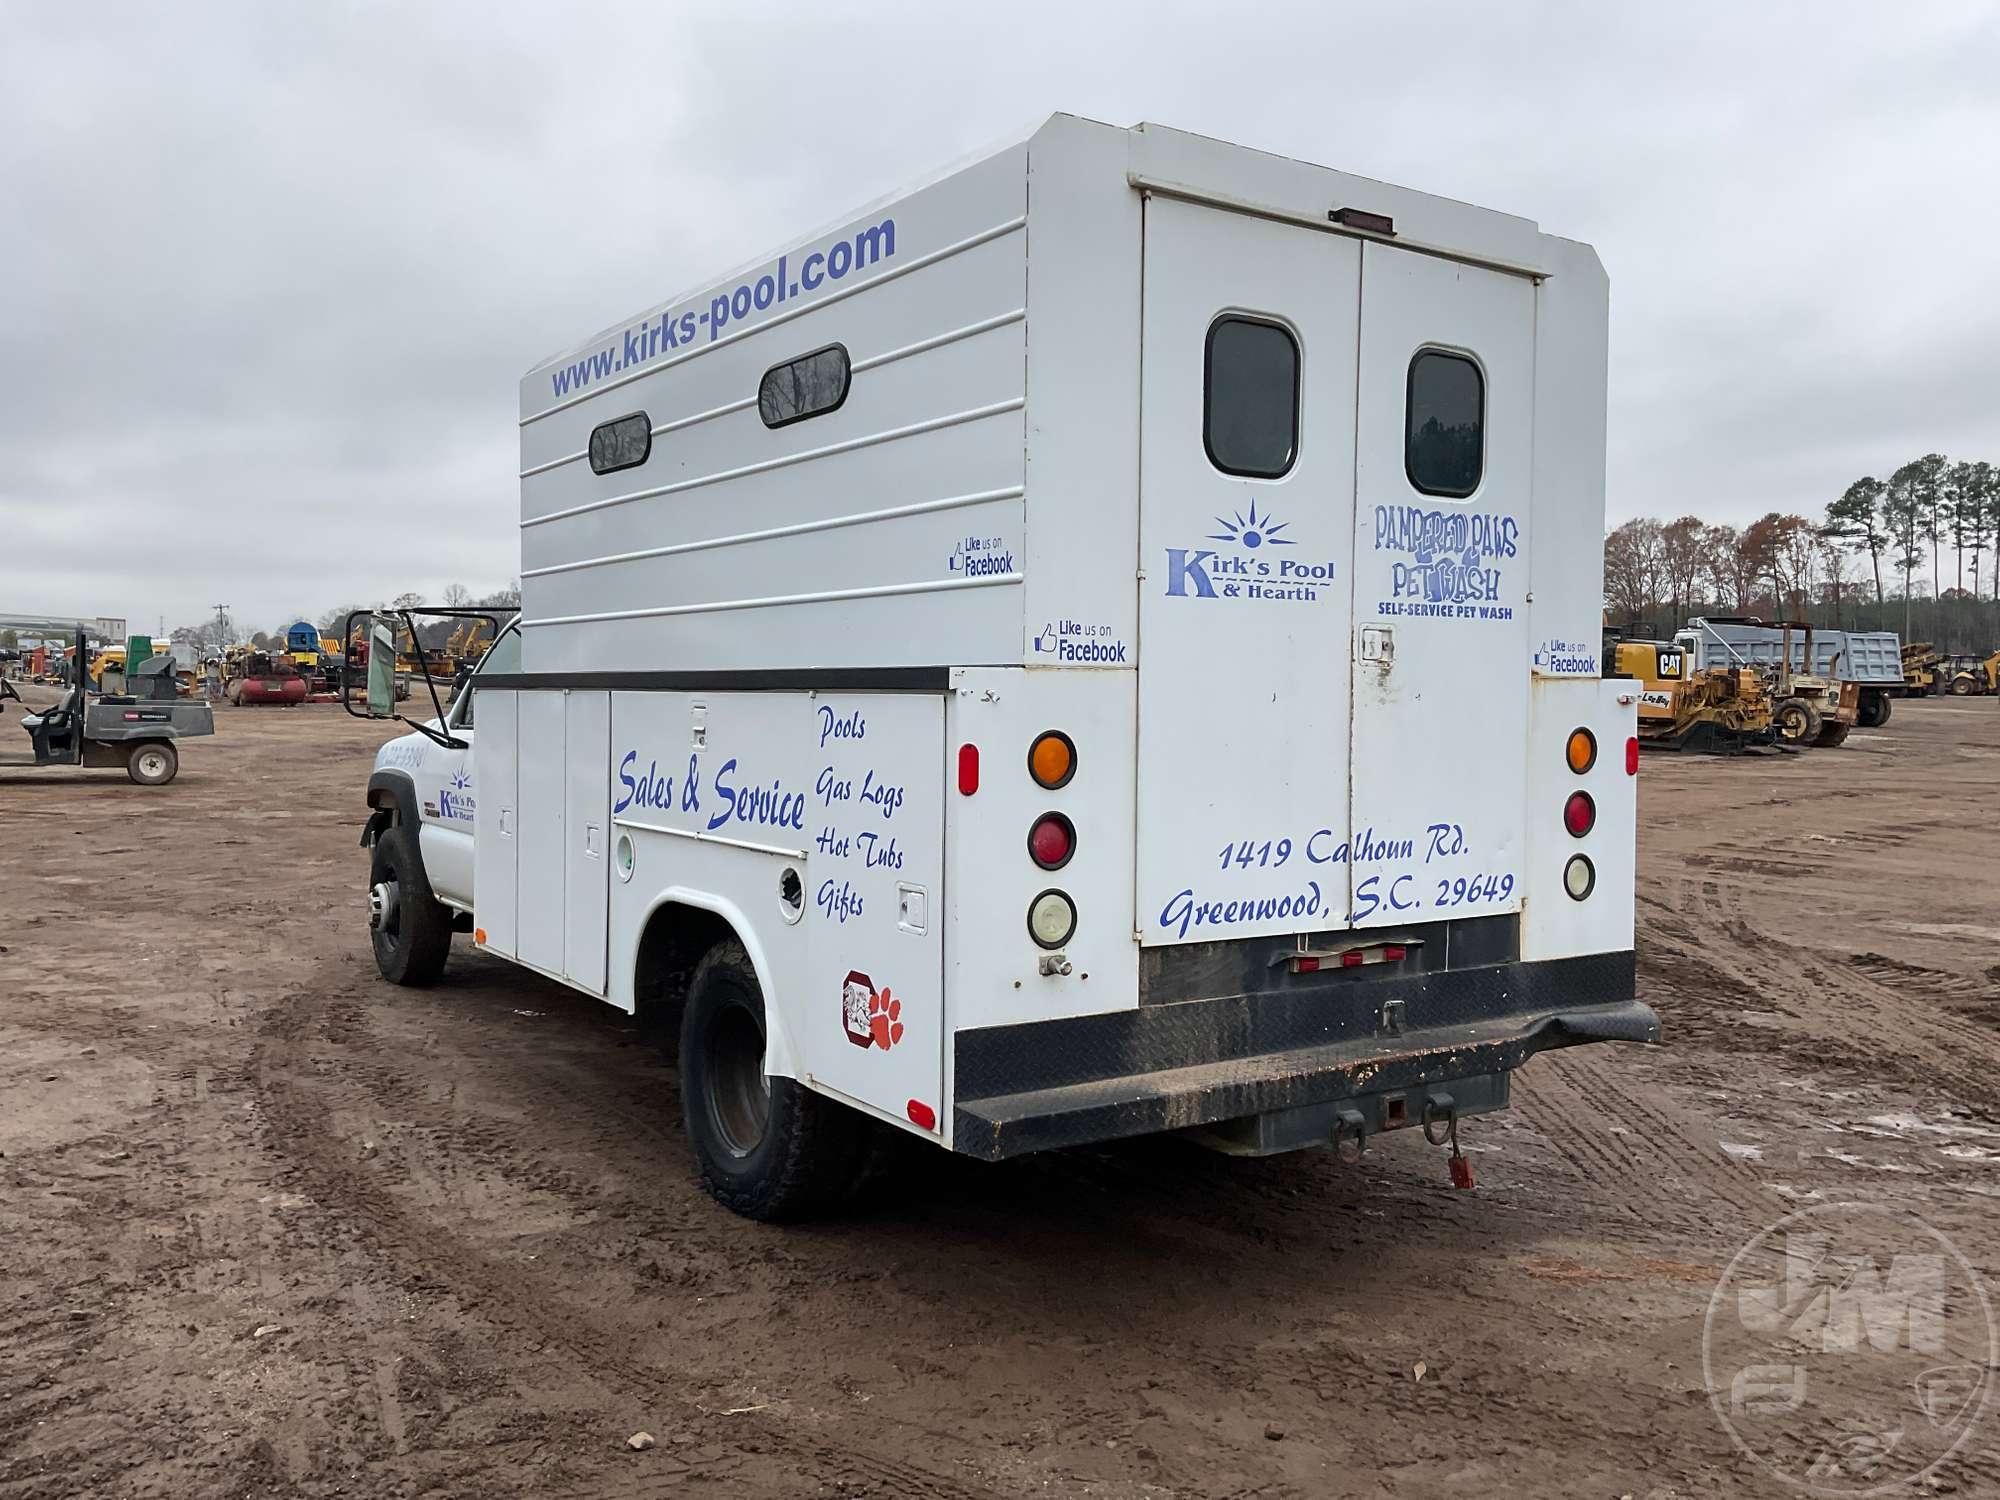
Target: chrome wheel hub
382, 906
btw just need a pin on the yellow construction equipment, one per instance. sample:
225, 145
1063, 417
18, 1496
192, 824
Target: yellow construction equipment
1923, 669
1975, 678
1720, 711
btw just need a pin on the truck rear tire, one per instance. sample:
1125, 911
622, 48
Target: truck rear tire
153, 762
768, 1148
409, 929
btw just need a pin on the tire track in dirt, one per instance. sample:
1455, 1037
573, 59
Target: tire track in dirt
516, 1305
1921, 1045
1661, 1171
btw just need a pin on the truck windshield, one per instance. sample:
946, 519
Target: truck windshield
505, 656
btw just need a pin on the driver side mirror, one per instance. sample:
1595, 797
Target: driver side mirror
381, 670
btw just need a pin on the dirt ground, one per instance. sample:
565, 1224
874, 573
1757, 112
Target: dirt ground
269, 1226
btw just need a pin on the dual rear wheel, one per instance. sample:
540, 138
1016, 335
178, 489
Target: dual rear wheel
768, 1147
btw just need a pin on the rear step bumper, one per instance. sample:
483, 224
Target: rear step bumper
1045, 1084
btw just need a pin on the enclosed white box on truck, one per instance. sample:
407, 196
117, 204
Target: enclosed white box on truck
1101, 643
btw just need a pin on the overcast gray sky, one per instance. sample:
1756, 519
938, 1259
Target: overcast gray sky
271, 272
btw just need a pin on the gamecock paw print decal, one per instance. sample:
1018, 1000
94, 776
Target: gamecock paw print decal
870, 1017
885, 1025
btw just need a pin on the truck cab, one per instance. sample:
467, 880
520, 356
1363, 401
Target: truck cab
422, 783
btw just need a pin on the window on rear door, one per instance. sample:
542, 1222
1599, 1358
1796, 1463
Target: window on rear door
1444, 429
1250, 397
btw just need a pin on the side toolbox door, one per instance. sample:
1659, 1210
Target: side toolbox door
869, 1023
1442, 659
541, 786
494, 821
587, 824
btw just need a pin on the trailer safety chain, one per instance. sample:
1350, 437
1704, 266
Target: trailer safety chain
1460, 1166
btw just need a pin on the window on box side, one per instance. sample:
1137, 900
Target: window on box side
810, 386
622, 444
1444, 427
1250, 397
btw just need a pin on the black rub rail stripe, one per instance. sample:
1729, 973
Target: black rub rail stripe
821, 679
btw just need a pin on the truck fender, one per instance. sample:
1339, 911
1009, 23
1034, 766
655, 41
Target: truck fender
393, 795
779, 1054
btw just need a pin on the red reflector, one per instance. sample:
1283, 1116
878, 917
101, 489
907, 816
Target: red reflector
1305, 965
922, 1115
1632, 756
1579, 814
968, 770
1392, 953
1051, 841
1350, 959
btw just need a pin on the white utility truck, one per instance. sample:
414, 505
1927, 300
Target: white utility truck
1104, 642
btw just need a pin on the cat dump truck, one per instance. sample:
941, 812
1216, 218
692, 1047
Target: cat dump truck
1813, 702
1103, 643
1718, 710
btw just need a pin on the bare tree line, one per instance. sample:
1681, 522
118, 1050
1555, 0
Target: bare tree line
1831, 569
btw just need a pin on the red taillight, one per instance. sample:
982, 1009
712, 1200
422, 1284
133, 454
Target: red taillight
1632, 756
1352, 959
1393, 954
922, 1115
1579, 814
1051, 841
968, 770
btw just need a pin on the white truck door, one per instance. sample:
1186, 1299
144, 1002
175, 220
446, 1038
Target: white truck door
446, 803
1246, 534
1441, 660
447, 783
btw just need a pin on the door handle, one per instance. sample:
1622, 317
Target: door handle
1376, 643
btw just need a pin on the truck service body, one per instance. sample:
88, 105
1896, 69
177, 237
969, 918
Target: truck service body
1103, 642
